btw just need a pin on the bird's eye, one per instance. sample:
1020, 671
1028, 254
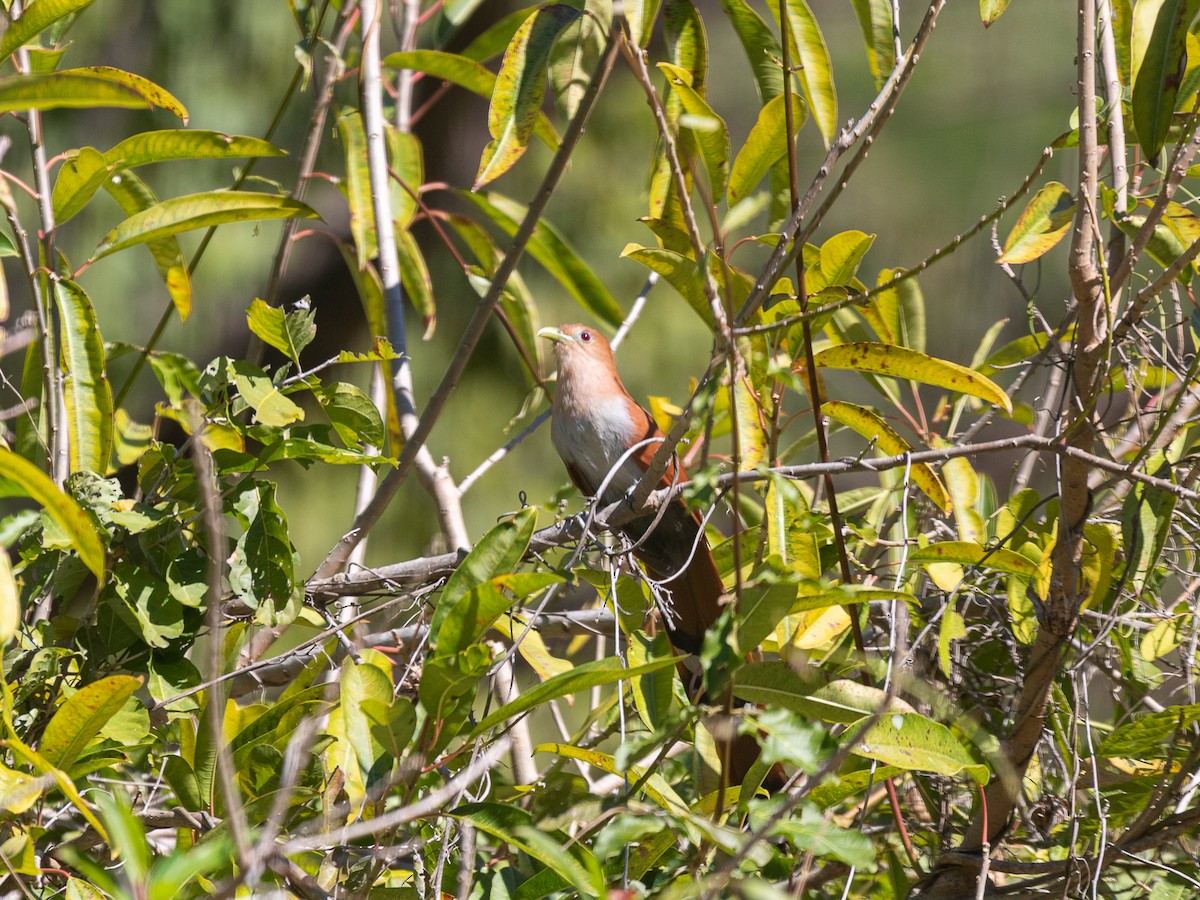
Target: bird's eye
585, 336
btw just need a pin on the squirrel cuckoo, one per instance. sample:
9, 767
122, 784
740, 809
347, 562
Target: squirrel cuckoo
595, 423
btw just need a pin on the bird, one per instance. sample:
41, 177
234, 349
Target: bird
594, 424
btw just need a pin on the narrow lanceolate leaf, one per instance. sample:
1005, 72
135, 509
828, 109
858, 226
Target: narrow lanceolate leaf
991, 10
86, 389
816, 70
875, 19
580, 678
82, 716
520, 87
871, 425
709, 129
37, 17
681, 273
515, 827
553, 253
762, 50
575, 55
406, 162
913, 742
21, 478
84, 170
465, 73
1041, 225
900, 362
134, 196
766, 143
1159, 51
641, 15
998, 559
193, 211
83, 88
358, 186
418, 284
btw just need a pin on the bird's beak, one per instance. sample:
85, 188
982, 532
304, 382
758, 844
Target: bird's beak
553, 334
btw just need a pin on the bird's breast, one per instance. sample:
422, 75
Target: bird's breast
592, 438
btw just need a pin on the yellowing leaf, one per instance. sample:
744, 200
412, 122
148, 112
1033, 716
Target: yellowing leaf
10, 601
815, 69
870, 425
900, 362
1042, 224
520, 87
951, 629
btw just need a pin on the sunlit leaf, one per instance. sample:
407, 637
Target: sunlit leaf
711, 133
204, 210
520, 86
288, 332
887, 442
415, 277
36, 18
85, 386
79, 719
967, 553
466, 73
1042, 224
358, 185
913, 742
991, 10
766, 143
900, 362
1159, 51
83, 88
134, 196
875, 19
816, 70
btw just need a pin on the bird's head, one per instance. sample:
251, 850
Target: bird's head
584, 356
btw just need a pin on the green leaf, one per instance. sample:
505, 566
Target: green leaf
263, 567
708, 128
900, 362
465, 73
641, 15
406, 162
1041, 225
10, 601
991, 10
586, 675
358, 185
766, 144
815, 834
288, 333
87, 394
680, 272
776, 684
79, 719
497, 553
912, 742
519, 89
656, 787
85, 88
952, 628
760, 609
351, 412
968, 553
816, 70
270, 406
887, 442
1159, 52
84, 170
875, 19
1146, 519
363, 685
762, 50
1152, 736
127, 834
902, 312
841, 254
36, 18
576, 54
21, 478
553, 253
134, 196
418, 284
203, 210
516, 828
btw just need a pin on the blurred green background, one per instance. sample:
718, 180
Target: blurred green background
979, 110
